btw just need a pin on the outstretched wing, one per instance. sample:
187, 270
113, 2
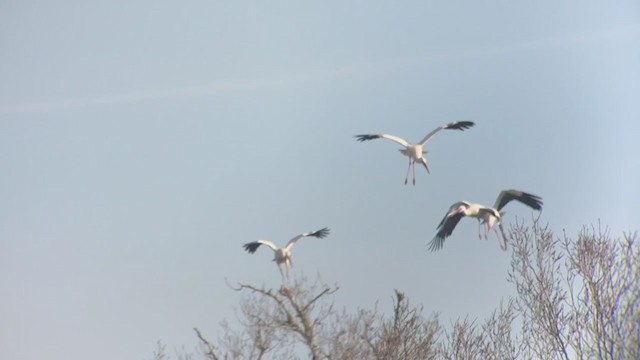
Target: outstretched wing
532, 201
253, 246
322, 233
366, 137
458, 125
445, 229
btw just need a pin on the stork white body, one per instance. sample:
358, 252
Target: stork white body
415, 152
283, 255
485, 215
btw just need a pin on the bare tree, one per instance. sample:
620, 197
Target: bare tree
577, 296
574, 299
351, 336
291, 311
537, 275
604, 282
494, 339
408, 335
274, 322
208, 350
160, 352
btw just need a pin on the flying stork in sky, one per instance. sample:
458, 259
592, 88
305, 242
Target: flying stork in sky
486, 215
283, 255
414, 151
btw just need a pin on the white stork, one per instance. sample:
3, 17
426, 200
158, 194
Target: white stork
485, 215
283, 255
414, 151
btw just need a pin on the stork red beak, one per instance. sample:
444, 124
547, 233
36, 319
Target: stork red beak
426, 167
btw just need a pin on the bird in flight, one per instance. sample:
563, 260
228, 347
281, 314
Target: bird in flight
283, 255
414, 152
485, 215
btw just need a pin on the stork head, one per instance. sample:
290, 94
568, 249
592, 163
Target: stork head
505, 239
461, 207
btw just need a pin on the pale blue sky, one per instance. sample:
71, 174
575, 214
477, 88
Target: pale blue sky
143, 142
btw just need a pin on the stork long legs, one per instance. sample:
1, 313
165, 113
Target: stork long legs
505, 238
414, 173
502, 241
412, 164
406, 178
499, 238
486, 233
288, 264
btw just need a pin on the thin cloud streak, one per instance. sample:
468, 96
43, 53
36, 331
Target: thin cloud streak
132, 97
623, 32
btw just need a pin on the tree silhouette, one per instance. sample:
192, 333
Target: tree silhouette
574, 299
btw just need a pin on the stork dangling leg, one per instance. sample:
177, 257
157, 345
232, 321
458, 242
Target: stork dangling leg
414, 173
406, 178
505, 238
496, 231
492, 216
289, 265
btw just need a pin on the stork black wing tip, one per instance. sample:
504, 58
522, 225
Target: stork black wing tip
534, 201
251, 247
365, 137
322, 233
460, 125
436, 243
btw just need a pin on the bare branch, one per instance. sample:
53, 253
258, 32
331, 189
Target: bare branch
578, 297
210, 350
